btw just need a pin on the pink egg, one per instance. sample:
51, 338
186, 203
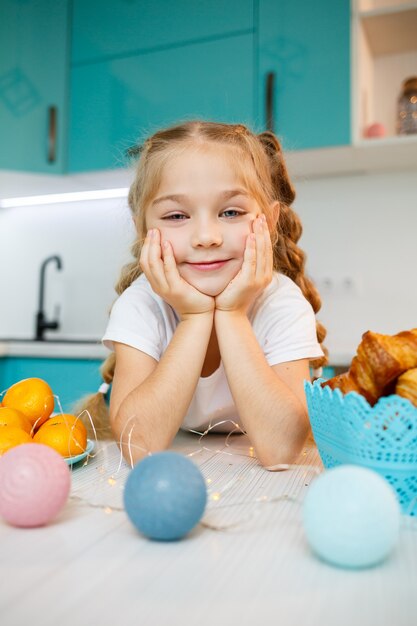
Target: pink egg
34, 485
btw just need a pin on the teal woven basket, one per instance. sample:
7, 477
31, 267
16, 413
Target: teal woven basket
383, 438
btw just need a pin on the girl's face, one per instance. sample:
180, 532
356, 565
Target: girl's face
204, 211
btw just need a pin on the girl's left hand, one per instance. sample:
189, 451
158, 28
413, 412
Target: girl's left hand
255, 273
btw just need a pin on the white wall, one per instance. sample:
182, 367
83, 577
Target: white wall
359, 229
360, 234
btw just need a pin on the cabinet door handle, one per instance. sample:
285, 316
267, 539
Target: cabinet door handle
52, 124
269, 101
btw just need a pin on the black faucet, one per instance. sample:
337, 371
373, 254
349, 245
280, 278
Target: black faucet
42, 323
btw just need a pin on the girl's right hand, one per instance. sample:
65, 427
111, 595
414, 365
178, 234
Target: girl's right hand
159, 266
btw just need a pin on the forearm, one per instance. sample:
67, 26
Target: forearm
150, 416
273, 417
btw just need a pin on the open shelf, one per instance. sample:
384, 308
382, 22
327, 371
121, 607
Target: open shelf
367, 156
384, 55
375, 7
390, 32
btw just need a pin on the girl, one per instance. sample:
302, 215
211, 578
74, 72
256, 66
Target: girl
215, 317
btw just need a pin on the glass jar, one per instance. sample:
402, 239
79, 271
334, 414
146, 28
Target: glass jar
407, 108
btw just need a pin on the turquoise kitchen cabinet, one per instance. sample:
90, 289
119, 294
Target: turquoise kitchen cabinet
81, 82
121, 27
116, 103
33, 85
70, 379
304, 71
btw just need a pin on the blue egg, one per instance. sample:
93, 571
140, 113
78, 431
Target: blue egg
165, 496
351, 517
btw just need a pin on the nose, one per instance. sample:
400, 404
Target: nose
206, 234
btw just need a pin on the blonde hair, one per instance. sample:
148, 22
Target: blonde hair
259, 162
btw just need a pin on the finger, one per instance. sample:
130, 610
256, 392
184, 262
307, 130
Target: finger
170, 266
144, 252
144, 262
269, 253
248, 269
260, 248
155, 263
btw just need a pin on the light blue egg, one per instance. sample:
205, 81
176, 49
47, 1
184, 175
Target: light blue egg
351, 517
165, 496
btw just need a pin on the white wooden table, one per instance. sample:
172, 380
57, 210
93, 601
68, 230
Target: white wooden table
92, 567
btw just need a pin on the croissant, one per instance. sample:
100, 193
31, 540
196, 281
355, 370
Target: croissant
407, 385
379, 361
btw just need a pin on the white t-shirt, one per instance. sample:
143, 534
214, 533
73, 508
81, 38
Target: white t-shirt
282, 319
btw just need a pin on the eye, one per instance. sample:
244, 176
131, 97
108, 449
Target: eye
175, 217
232, 212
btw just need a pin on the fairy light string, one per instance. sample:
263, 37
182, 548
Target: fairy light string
101, 461
113, 481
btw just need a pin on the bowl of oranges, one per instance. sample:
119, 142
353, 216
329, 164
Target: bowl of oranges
26, 416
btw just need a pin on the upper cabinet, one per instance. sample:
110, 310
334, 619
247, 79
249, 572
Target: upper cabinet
116, 103
101, 30
138, 66
304, 71
83, 81
33, 85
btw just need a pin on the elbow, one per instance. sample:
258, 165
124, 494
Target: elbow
285, 450
277, 460
133, 442
135, 449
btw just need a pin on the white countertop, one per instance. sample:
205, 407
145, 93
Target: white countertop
55, 350
95, 350
91, 566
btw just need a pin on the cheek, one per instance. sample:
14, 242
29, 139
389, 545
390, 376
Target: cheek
238, 238
175, 239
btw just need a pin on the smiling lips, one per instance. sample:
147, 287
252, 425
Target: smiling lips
208, 266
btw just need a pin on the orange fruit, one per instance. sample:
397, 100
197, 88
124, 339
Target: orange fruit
62, 437
11, 436
12, 417
33, 397
72, 421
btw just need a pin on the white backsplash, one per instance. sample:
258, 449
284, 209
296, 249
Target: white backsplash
360, 235
92, 238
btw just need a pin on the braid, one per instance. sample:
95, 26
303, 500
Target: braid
129, 273
279, 174
95, 403
289, 258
